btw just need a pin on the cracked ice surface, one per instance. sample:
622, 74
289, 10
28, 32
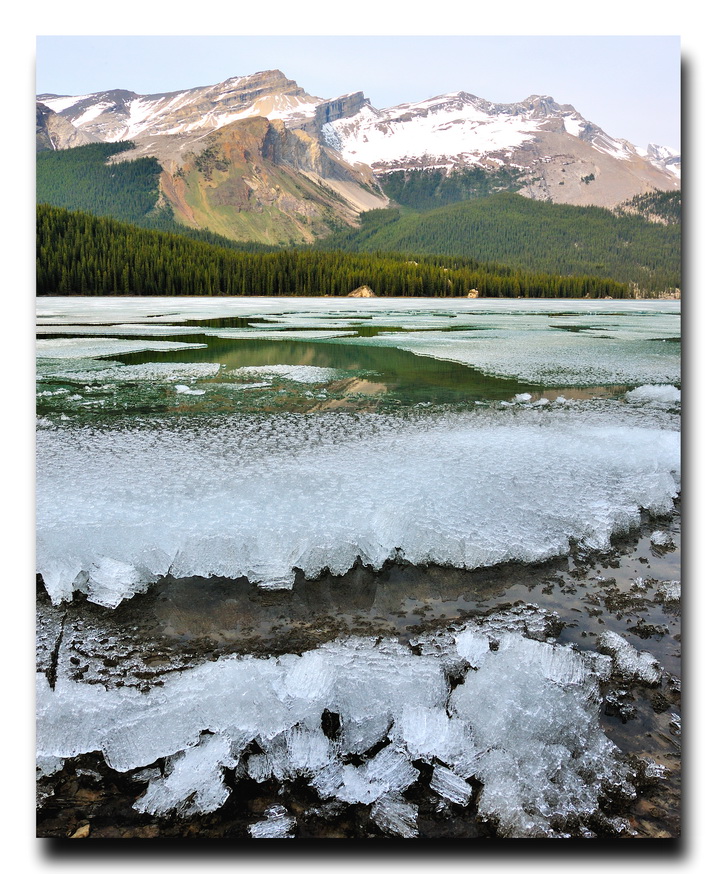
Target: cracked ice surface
259, 496
525, 724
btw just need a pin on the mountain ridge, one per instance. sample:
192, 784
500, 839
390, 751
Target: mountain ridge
334, 153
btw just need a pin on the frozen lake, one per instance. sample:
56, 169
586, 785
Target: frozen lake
221, 466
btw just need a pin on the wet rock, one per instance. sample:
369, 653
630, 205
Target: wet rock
82, 832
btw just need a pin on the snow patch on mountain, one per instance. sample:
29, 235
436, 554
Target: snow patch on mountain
58, 104
664, 157
439, 128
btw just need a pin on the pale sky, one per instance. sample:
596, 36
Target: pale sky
628, 85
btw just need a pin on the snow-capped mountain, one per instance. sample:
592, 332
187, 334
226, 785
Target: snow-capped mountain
123, 115
348, 144
556, 146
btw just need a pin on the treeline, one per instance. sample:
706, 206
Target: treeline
82, 254
429, 189
530, 235
662, 206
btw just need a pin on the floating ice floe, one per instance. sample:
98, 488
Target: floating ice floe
263, 334
656, 395
524, 725
662, 540
293, 372
83, 347
133, 330
543, 356
669, 592
258, 496
150, 372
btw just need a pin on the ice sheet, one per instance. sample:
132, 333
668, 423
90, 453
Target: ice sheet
257, 496
154, 372
544, 356
75, 310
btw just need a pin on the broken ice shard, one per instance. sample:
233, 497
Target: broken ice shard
396, 816
277, 823
525, 724
193, 780
450, 785
628, 661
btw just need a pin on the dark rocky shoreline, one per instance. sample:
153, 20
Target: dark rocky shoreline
181, 623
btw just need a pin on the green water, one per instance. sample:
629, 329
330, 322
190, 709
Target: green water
368, 377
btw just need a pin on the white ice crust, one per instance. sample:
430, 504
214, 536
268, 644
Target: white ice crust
259, 496
525, 724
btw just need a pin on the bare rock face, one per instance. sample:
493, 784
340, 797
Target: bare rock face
361, 291
257, 179
52, 131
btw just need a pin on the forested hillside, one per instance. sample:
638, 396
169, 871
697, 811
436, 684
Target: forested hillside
656, 206
78, 253
430, 189
531, 235
81, 179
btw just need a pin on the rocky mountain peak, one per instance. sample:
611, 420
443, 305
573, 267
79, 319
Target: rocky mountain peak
540, 105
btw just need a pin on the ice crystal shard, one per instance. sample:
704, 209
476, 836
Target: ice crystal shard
450, 785
628, 661
525, 724
277, 823
396, 817
193, 782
